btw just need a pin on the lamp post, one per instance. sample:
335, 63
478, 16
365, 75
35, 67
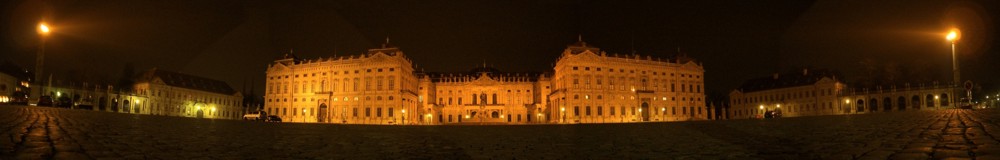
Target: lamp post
662, 116
847, 106
43, 32
953, 37
404, 115
761, 111
777, 110
304, 111
563, 111
640, 114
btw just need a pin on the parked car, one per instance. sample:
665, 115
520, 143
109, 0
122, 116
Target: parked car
85, 103
45, 101
255, 116
772, 114
64, 102
273, 119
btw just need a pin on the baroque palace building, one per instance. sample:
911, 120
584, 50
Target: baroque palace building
377, 87
819, 92
170, 93
591, 86
791, 94
587, 86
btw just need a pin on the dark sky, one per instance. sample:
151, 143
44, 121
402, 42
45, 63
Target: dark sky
736, 40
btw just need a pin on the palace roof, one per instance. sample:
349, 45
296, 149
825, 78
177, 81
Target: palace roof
786, 80
186, 81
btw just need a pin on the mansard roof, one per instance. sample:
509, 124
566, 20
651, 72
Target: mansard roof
181, 80
786, 80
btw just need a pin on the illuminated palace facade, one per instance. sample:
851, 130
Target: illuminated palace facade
161, 92
808, 93
587, 86
819, 92
590, 86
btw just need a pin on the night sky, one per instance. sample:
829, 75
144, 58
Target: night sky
235, 40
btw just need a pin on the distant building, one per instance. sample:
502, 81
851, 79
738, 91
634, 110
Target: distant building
587, 86
160, 92
14, 83
901, 98
820, 92
806, 93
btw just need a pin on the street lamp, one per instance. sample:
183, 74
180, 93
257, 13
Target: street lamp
304, 111
404, 115
847, 107
563, 111
953, 37
761, 110
43, 31
662, 114
539, 118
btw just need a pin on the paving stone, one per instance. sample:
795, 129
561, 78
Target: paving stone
53, 133
949, 153
909, 156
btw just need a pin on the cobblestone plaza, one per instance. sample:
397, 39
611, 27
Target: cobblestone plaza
44, 133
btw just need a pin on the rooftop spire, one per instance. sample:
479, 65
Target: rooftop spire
386, 44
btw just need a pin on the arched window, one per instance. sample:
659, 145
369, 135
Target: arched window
930, 100
944, 100
873, 104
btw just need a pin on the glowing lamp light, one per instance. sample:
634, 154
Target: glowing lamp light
404, 111
953, 35
43, 29
936, 97
213, 109
466, 116
562, 109
761, 106
779, 106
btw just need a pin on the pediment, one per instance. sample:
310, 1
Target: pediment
278, 67
484, 80
825, 80
378, 57
690, 64
586, 55
157, 80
